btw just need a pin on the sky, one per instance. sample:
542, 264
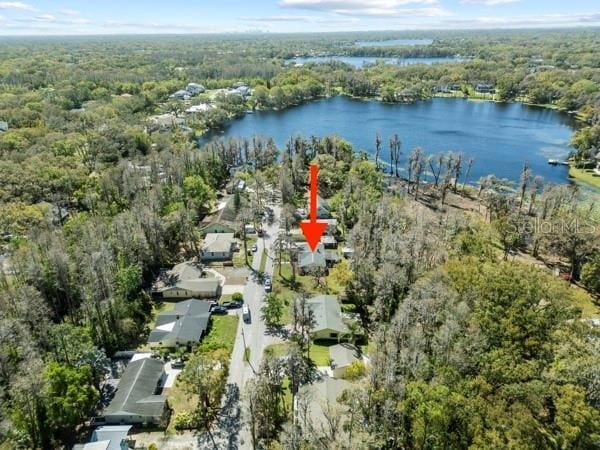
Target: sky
70, 17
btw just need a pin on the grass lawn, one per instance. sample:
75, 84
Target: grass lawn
222, 331
589, 308
276, 349
585, 176
319, 352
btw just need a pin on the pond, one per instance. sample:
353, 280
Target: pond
499, 136
393, 42
361, 61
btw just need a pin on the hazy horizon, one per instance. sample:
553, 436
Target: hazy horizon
179, 17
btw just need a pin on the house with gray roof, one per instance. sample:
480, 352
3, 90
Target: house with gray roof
136, 400
195, 89
108, 437
320, 259
218, 247
327, 313
186, 280
342, 356
184, 326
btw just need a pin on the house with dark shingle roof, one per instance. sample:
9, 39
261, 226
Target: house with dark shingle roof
184, 326
136, 400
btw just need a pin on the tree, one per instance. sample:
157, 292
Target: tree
69, 397
272, 310
197, 192
205, 375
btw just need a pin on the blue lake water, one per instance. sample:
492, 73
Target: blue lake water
499, 136
361, 61
393, 42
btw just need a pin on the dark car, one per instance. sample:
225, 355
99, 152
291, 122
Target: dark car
232, 305
219, 309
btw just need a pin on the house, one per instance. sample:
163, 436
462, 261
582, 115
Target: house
184, 326
186, 280
321, 259
181, 95
218, 247
218, 227
332, 224
249, 229
329, 241
343, 356
597, 169
136, 400
328, 317
323, 211
485, 88
108, 437
167, 121
3, 126
202, 107
309, 261
347, 252
195, 89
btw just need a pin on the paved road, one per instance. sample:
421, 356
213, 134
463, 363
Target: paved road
253, 335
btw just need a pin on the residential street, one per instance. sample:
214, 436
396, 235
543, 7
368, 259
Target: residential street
253, 335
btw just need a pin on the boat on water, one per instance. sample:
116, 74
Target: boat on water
556, 162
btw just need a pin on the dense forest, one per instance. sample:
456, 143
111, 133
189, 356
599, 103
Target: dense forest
472, 348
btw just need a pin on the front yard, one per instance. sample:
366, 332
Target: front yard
221, 336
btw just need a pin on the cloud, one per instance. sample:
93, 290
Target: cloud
68, 12
487, 2
371, 8
18, 6
545, 20
299, 19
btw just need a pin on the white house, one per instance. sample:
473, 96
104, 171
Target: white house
218, 247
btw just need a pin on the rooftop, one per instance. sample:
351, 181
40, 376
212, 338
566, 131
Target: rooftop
218, 242
136, 390
327, 313
187, 275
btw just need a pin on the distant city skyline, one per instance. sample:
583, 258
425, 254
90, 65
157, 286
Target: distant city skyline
51, 17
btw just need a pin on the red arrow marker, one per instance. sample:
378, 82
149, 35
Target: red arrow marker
312, 229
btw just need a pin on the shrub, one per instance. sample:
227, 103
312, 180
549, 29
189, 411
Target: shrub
356, 370
237, 297
184, 421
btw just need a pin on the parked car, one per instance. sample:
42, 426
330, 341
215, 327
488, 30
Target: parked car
254, 248
246, 314
177, 364
235, 304
219, 310
268, 284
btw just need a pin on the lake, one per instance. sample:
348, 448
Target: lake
393, 42
499, 136
361, 61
